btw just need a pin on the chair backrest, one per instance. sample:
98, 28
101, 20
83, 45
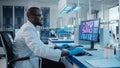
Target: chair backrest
8, 47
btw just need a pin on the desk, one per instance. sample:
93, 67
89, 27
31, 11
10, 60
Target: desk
80, 61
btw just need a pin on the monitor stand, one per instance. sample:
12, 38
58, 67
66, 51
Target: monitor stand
91, 46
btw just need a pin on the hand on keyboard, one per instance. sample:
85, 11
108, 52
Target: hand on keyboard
77, 51
63, 46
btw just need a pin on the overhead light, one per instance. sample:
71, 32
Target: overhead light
75, 9
62, 12
67, 8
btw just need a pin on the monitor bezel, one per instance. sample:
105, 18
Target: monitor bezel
92, 32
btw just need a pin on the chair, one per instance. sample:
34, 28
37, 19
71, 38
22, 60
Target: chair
7, 45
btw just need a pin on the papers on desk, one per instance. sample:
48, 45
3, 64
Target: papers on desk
103, 63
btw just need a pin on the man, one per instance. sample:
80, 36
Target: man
28, 43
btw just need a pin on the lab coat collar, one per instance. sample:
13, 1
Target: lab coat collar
31, 25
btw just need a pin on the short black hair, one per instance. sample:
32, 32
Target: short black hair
32, 11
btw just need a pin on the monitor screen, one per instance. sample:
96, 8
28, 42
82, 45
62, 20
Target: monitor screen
89, 30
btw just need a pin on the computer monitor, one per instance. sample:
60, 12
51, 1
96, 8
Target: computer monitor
89, 31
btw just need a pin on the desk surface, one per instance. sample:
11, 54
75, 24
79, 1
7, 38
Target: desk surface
81, 60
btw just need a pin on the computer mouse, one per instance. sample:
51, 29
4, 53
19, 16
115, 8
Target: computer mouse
89, 54
80, 54
83, 54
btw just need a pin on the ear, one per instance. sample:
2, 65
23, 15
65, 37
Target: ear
31, 18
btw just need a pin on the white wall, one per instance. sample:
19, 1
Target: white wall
104, 16
27, 4
53, 16
83, 13
114, 14
67, 17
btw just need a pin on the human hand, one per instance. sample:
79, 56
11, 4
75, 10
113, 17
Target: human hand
77, 51
64, 53
65, 46
62, 46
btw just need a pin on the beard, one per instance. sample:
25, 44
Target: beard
38, 22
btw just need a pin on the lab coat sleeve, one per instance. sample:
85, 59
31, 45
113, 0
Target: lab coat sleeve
38, 47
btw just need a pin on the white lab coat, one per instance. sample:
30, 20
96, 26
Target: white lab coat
28, 43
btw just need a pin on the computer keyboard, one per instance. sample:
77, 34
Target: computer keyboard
84, 54
79, 54
79, 46
54, 39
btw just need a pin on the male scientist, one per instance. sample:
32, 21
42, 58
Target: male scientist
28, 43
